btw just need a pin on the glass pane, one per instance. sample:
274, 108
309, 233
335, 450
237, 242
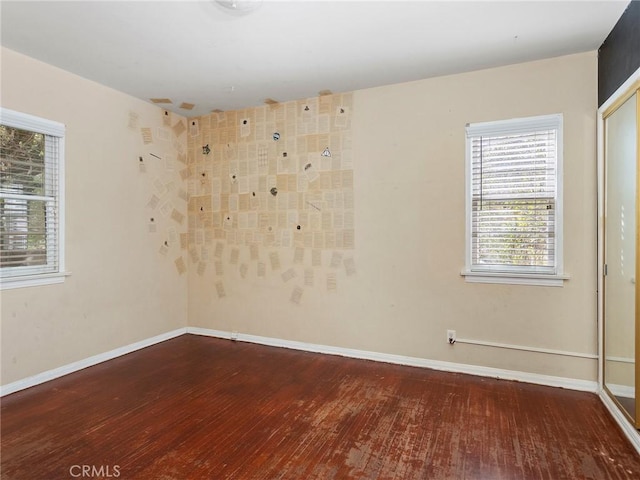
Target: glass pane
620, 255
514, 232
22, 161
23, 224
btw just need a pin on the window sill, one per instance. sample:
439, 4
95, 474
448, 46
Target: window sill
542, 280
33, 280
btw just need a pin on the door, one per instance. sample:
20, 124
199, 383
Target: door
620, 256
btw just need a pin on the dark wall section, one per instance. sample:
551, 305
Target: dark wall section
619, 54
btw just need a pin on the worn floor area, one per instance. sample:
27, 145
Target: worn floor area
202, 408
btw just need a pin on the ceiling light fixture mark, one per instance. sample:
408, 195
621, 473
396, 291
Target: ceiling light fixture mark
239, 7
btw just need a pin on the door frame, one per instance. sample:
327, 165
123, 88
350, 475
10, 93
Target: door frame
624, 92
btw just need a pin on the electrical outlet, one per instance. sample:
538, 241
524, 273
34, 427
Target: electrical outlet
451, 336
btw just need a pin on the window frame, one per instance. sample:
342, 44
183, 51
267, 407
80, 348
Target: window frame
514, 274
49, 128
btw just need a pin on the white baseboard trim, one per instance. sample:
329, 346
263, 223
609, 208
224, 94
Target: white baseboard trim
631, 433
620, 359
548, 380
562, 382
624, 391
87, 362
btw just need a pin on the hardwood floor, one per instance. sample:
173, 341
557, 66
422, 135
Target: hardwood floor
202, 408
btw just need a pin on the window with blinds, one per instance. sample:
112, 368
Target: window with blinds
31, 156
514, 196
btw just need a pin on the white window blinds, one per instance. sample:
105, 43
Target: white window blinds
30, 196
514, 196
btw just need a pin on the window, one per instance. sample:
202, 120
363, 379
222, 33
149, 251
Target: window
514, 201
31, 200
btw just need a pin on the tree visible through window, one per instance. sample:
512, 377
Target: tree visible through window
30, 161
513, 195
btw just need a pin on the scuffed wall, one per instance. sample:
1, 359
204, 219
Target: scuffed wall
123, 286
405, 289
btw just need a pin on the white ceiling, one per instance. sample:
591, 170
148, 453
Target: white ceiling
201, 53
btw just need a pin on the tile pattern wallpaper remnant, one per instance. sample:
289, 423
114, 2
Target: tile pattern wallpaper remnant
271, 192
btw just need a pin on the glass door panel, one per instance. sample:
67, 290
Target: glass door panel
621, 143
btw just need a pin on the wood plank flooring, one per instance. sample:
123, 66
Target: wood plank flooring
202, 408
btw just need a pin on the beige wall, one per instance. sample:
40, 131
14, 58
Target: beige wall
408, 163
121, 289
409, 174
